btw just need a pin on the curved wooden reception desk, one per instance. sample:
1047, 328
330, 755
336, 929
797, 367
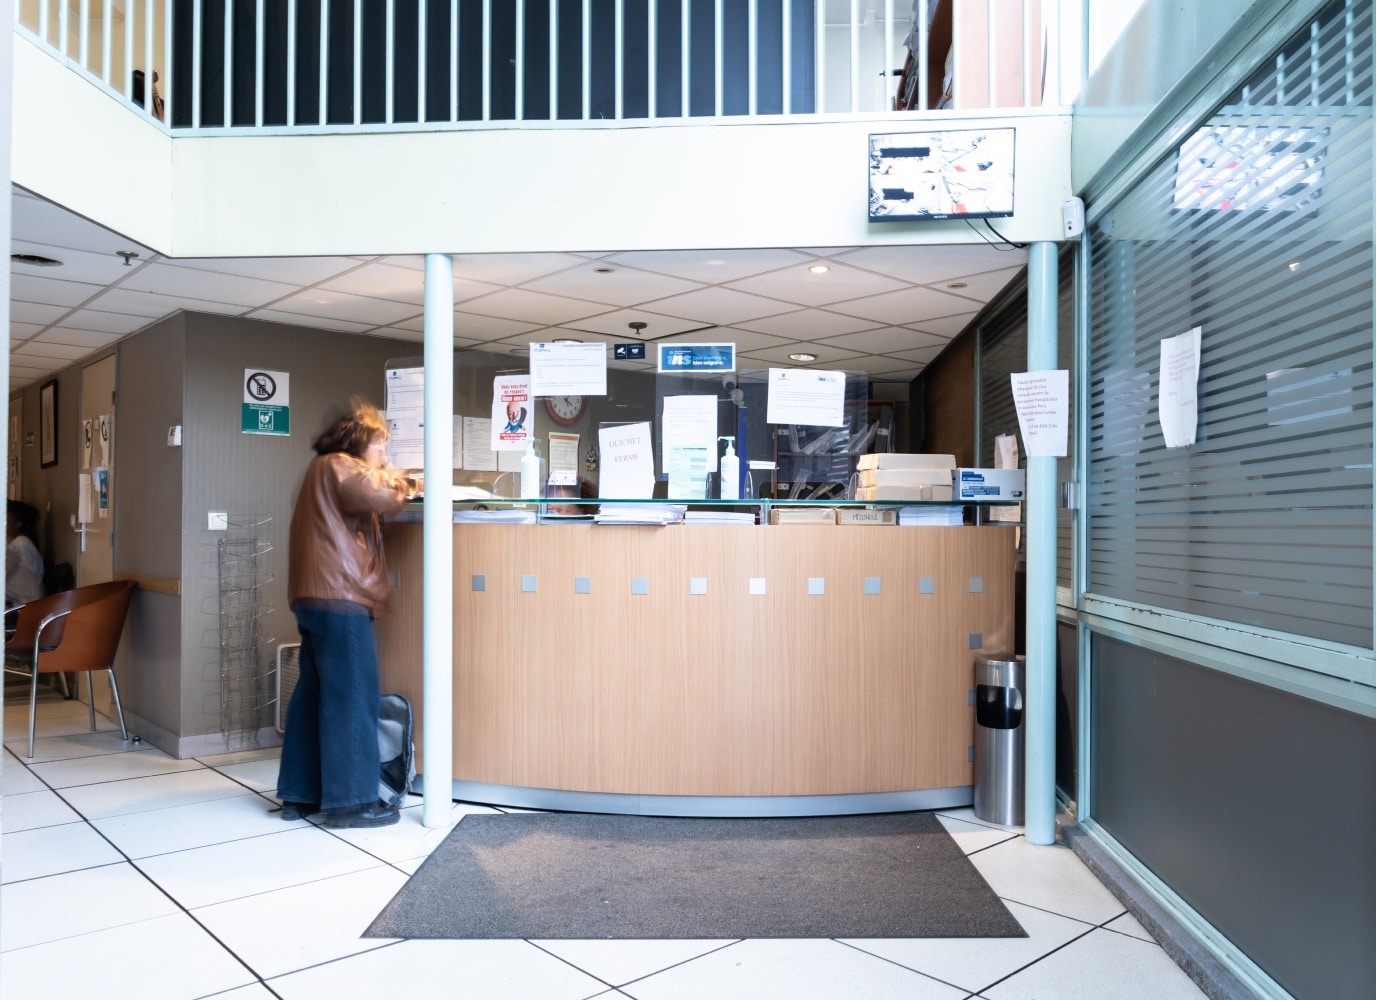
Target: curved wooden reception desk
710, 670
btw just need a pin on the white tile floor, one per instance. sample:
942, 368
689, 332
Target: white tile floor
127, 873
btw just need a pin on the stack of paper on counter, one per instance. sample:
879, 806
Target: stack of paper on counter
802, 515
931, 516
906, 460
641, 513
719, 517
510, 515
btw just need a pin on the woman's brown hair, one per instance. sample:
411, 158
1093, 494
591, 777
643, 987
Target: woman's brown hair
354, 431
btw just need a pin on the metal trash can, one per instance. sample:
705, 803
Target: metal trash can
1000, 739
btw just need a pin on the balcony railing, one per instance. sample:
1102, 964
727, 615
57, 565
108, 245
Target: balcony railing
370, 65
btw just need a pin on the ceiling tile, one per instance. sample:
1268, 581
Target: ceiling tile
903, 375
383, 281
872, 364
35, 312
353, 309
295, 270
722, 306
211, 286
105, 322
531, 307
617, 324
912, 305
623, 286
154, 306
510, 268
712, 267
317, 322
778, 357
20, 332
39, 349
77, 265
745, 340
921, 354
983, 287
485, 328
934, 265
808, 324
61, 228
945, 326
50, 292
89, 339
885, 341
798, 284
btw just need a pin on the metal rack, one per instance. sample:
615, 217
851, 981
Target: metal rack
242, 571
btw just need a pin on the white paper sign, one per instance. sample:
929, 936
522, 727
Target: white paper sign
805, 396
405, 390
1043, 402
563, 454
689, 422
475, 438
628, 462
513, 419
1177, 405
568, 369
406, 441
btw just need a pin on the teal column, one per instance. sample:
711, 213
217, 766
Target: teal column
437, 601
1040, 718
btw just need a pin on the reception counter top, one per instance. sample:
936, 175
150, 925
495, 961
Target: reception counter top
709, 670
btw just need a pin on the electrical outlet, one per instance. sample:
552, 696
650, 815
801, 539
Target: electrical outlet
219, 521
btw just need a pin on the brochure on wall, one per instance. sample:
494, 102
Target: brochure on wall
805, 396
1177, 405
689, 422
687, 472
1043, 403
563, 454
568, 369
628, 463
513, 421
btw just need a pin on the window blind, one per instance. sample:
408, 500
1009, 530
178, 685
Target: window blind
1259, 232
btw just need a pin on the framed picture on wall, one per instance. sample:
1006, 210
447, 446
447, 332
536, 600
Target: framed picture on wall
47, 424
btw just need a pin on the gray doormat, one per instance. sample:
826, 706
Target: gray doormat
573, 875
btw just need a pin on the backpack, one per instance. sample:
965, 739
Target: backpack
396, 749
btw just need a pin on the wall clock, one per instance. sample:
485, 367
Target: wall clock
564, 409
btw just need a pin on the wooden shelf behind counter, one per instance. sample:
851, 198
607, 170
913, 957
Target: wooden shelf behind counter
862, 688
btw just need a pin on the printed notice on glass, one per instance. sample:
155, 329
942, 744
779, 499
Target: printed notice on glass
405, 440
405, 390
628, 461
1177, 406
1043, 402
689, 422
687, 472
474, 436
568, 369
804, 396
563, 453
512, 420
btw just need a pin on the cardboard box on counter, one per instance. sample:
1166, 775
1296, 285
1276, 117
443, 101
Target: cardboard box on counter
866, 515
989, 484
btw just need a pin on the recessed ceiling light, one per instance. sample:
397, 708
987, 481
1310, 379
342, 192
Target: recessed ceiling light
819, 269
34, 260
520, 350
603, 270
958, 284
565, 340
802, 357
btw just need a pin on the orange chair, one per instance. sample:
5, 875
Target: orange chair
72, 631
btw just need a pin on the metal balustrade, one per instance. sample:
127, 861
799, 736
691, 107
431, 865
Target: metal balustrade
373, 65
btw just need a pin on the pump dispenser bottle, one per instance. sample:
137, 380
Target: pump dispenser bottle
730, 474
530, 472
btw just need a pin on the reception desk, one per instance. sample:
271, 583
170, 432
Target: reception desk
709, 670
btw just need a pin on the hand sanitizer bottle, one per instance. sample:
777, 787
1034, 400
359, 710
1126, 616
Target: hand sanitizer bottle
730, 474
530, 472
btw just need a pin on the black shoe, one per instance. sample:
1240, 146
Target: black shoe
299, 810
376, 814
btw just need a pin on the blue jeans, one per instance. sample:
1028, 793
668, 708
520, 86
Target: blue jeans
329, 750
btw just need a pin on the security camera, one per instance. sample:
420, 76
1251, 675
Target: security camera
728, 380
1073, 216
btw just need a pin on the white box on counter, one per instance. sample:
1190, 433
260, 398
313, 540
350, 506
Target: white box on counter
988, 484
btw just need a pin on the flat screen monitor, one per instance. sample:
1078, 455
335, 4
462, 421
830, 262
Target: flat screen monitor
1257, 168
943, 174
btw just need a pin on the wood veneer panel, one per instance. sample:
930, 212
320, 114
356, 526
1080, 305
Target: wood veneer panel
716, 694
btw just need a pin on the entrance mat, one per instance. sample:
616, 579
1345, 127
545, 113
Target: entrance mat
575, 875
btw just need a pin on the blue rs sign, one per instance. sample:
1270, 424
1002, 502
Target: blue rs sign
697, 357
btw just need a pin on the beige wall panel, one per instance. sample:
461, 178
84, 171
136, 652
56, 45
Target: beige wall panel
669, 693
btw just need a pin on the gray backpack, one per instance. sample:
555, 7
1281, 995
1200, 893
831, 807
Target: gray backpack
396, 749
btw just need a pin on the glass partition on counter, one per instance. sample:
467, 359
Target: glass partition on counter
691, 437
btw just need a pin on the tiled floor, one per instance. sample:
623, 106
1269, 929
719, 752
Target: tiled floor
127, 873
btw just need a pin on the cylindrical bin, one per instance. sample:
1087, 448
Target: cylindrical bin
1000, 739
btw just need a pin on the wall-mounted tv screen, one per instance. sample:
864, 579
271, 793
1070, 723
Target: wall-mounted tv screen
1260, 168
943, 174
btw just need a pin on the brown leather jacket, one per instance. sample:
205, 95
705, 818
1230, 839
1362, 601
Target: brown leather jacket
336, 534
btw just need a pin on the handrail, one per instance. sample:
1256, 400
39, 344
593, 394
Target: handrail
255, 70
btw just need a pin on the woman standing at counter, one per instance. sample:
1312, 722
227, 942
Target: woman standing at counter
337, 579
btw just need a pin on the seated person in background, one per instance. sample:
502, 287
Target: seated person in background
23, 564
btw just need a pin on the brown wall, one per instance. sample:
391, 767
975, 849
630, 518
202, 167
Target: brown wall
947, 395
